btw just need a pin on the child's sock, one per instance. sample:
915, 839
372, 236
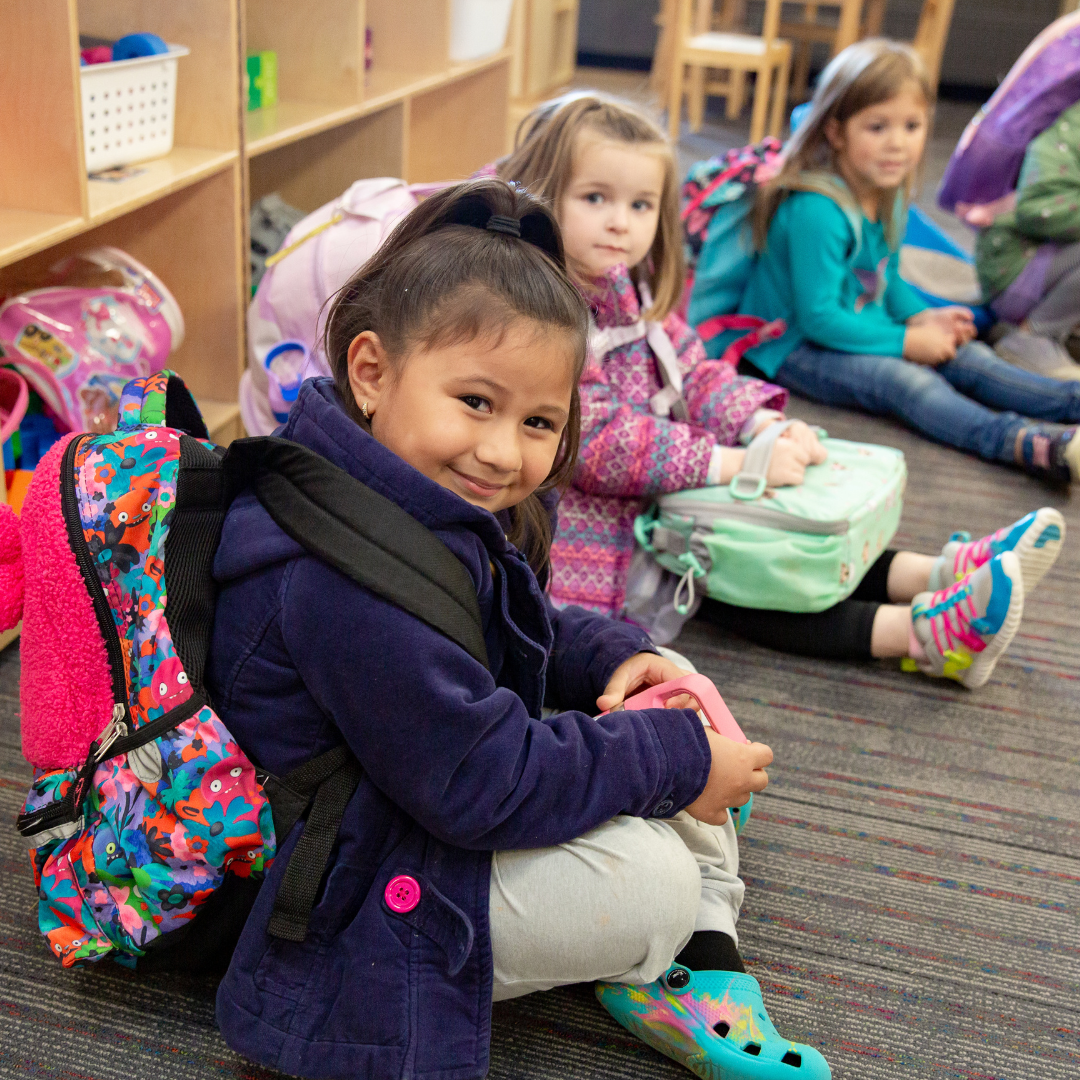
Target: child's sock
710, 950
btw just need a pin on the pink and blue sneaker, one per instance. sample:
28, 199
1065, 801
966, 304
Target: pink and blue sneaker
714, 1023
1036, 539
961, 631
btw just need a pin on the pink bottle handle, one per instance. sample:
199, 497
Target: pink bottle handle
702, 690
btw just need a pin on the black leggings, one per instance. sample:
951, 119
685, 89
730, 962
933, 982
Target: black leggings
841, 632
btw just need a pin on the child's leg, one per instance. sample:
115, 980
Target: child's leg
616, 904
915, 393
909, 575
841, 632
704, 1010
1058, 311
981, 374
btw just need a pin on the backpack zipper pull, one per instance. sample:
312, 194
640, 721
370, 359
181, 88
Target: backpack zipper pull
113, 730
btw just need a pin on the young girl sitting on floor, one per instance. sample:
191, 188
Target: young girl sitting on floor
856, 335
486, 853
609, 172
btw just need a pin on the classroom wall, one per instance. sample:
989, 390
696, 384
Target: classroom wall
986, 38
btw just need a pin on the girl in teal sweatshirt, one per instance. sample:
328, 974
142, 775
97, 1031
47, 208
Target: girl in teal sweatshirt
829, 227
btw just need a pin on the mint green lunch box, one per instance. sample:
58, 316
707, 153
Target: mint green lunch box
796, 549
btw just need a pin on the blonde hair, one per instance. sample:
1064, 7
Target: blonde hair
543, 162
864, 74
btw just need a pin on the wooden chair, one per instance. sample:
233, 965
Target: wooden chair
930, 37
694, 44
856, 19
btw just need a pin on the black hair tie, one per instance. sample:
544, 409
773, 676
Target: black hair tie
534, 228
503, 224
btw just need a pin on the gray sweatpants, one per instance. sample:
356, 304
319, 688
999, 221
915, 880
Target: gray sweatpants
615, 904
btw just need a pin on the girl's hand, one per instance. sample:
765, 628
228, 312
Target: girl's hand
640, 670
807, 438
790, 456
736, 772
929, 344
956, 318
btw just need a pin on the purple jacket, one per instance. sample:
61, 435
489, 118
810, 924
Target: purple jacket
456, 765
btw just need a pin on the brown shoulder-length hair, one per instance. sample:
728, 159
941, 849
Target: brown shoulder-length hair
864, 74
435, 283
543, 162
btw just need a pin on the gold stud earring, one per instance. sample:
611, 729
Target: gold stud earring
364, 412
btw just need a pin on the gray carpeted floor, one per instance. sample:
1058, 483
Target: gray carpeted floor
913, 871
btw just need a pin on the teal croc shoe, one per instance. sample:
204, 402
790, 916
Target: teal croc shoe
741, 814
714, 1023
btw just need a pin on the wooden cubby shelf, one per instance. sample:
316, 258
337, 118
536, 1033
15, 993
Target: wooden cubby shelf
414, 114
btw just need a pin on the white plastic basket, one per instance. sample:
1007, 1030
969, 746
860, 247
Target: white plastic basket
128, 108
478, 28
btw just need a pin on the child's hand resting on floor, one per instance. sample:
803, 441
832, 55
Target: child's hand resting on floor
737, 771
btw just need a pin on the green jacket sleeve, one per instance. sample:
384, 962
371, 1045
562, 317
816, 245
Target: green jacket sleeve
820, 241
1048, 190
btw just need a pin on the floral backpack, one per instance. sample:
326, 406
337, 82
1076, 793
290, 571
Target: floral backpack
150, 826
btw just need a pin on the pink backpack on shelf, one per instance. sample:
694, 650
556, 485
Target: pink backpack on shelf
318, 256
78, 345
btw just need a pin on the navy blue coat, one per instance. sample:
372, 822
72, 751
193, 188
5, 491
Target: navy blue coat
456, 765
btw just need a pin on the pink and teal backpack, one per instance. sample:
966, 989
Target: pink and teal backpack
150, 828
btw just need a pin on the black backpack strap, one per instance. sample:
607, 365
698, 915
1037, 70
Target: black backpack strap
194, 534
361, 533
303, 876
290, 795
181, 411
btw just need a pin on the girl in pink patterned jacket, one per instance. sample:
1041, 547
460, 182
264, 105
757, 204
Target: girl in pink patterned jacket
658, 416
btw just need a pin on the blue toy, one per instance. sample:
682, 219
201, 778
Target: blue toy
136, 45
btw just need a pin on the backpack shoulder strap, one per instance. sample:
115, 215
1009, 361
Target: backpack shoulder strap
361, 533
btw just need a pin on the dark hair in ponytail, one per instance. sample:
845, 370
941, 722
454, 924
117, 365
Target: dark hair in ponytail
454, 270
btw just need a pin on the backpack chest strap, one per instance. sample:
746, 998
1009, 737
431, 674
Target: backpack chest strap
669, 400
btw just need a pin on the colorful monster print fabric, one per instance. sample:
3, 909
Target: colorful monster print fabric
161, 825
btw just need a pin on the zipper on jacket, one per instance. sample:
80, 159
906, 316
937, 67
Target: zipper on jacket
69, 506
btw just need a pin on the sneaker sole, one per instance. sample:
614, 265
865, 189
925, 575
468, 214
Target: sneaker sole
983, 664
1040, 546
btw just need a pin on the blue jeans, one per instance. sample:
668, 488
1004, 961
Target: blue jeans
954, 403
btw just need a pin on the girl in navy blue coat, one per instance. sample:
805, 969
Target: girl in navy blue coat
487, 852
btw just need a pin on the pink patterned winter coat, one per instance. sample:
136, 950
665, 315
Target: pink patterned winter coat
629, 454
